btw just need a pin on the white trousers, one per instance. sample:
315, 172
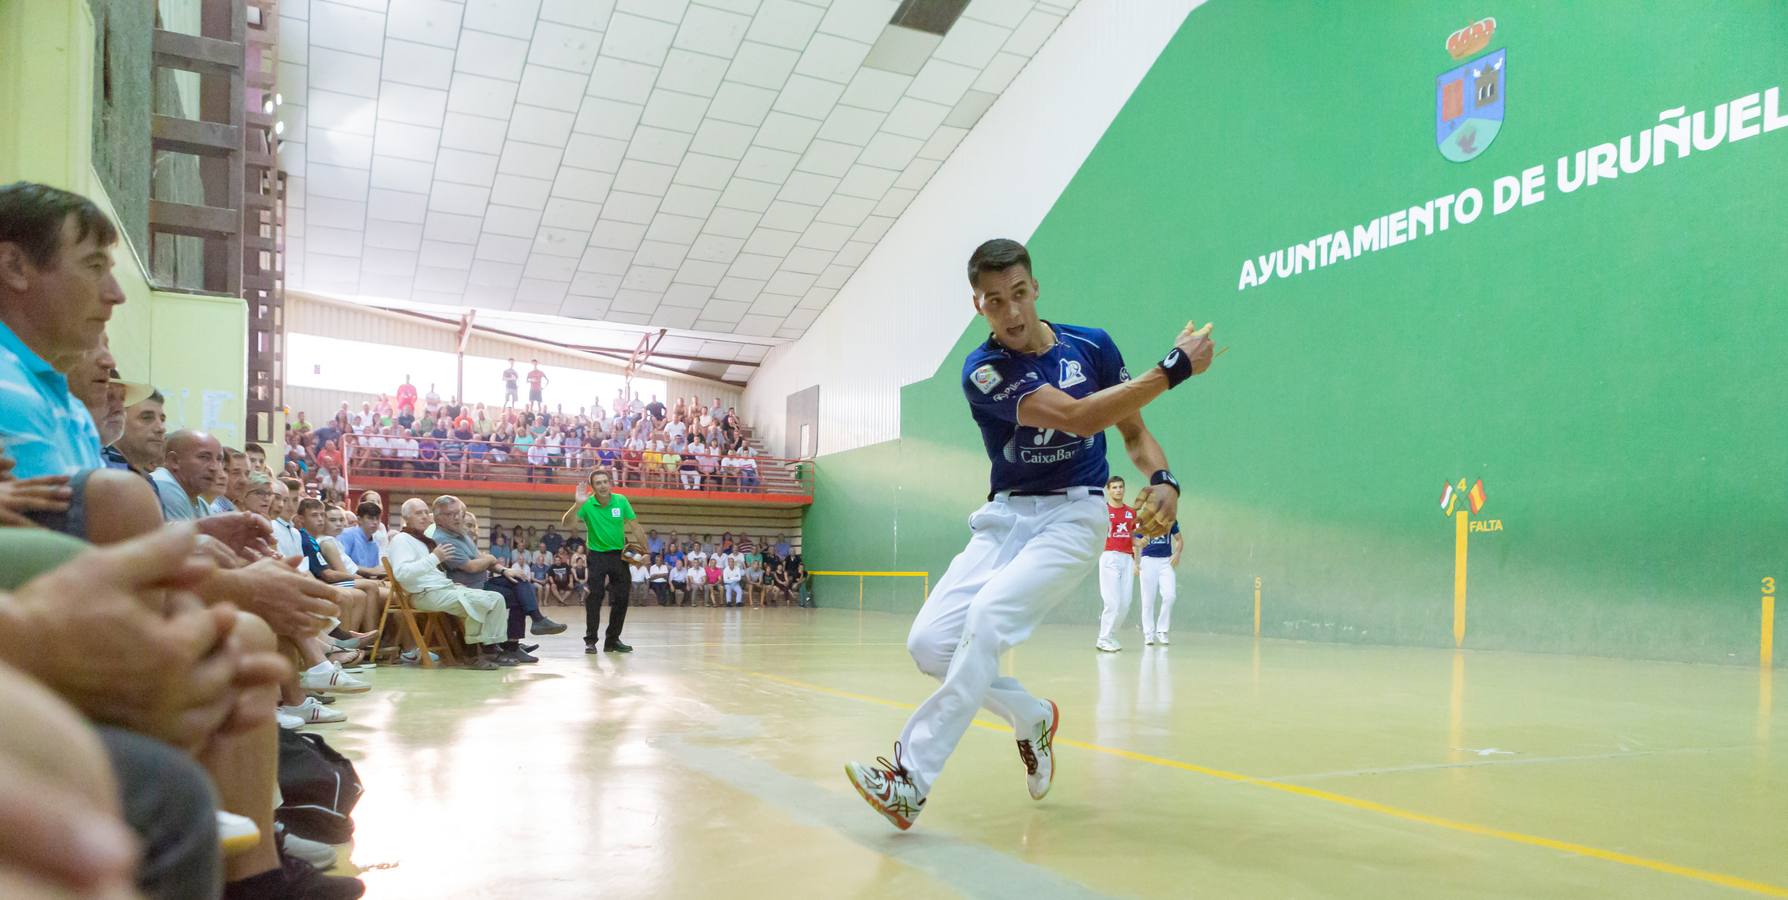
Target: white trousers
1027, 555
486, 615
1117, 575
1158, 578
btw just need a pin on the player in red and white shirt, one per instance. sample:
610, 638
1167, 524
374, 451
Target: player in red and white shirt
1117, 565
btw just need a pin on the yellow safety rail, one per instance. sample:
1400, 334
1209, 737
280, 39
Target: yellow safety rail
862, 575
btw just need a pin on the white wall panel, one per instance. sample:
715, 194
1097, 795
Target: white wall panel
901, 312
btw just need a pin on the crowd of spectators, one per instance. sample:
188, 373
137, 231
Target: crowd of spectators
168, 604
690, 445
163, 610
677, 570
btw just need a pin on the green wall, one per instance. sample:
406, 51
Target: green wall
1604, 360
189, 345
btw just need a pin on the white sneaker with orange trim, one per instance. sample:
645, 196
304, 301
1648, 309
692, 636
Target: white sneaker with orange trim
1038, 754
889, 788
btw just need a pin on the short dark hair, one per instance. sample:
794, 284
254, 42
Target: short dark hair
252, 447
308, 504
998, 255
1117, 478
32, 215
154, 397
292, 484
368, 509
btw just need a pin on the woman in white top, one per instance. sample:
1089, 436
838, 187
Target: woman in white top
658, 577
639, 580
538, 457
732, 575
698, 584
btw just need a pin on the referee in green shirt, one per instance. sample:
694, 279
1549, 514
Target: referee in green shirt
609, 528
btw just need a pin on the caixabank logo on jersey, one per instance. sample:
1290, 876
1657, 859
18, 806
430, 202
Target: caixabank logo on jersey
1038, 446
1469, 99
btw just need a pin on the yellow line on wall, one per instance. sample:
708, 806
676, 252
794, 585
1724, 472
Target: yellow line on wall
1384, 809
1461, 536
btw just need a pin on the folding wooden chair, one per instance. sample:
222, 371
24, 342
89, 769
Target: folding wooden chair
428, 630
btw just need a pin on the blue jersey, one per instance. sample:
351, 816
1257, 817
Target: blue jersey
994, 379
1161, 546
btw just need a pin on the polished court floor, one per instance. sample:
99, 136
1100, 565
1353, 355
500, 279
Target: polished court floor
708, 764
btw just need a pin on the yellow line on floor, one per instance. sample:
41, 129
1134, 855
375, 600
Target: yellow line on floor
1532, 840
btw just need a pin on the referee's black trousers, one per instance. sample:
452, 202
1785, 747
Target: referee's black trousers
608, 575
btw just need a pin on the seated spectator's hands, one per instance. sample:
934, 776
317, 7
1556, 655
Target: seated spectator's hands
292, 603
18, 497
117, 633
214, 550
246, 534
444, 552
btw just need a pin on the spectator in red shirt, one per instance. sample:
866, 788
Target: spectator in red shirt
406, 394
536, 381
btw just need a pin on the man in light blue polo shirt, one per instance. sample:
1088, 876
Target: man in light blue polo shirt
194, 467
56, 295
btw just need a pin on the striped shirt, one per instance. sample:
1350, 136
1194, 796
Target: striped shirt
43, 427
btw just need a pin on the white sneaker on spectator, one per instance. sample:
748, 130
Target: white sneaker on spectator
314, 713
331, 680
288, 721
236, 834
1108, 645
1148, 637
316, 853
1161, 638
409, 658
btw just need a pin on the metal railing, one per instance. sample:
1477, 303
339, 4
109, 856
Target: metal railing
504, 463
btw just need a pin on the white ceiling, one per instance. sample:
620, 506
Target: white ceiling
719, 166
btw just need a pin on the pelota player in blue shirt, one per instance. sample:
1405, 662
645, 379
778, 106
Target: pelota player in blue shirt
1043, 395
1157, 557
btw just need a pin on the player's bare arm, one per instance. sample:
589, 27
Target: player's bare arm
1050, 407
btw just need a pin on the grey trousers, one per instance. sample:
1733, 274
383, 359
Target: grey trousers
169, 803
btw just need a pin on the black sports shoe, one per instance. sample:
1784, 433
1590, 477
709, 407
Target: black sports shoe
528, 648
516, 656
590, 647
617, 647
547, 626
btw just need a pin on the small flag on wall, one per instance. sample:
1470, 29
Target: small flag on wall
1447, 498
1476, 496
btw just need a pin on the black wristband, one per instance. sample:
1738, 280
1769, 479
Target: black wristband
1177, 366
1162, 476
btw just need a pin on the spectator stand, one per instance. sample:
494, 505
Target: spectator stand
470, 468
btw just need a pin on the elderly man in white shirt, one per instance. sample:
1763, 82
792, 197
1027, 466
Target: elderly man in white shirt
731, 576
416, 559
285, 534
